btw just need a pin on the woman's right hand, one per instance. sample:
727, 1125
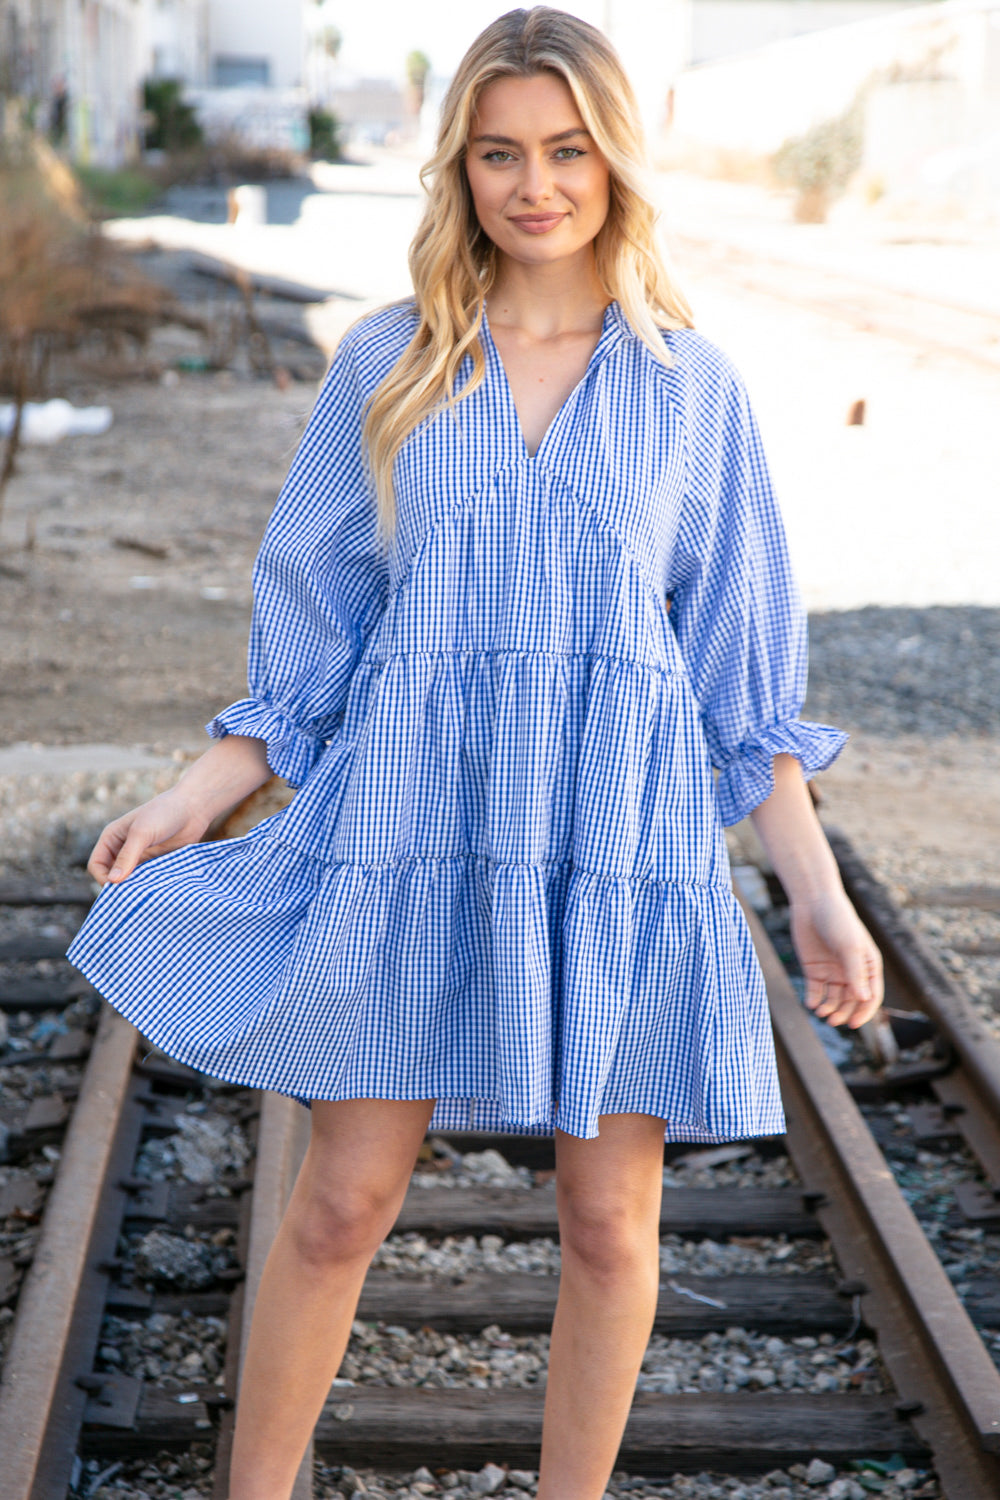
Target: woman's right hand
166, 822
232, 768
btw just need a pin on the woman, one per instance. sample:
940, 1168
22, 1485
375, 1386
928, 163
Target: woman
500, 662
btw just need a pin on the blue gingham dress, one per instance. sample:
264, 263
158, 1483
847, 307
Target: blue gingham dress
503, 881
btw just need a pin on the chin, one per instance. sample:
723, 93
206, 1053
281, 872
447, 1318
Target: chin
542, 250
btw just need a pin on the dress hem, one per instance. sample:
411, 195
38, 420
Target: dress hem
452, 1108
458, 1105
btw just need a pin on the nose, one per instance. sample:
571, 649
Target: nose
536, 180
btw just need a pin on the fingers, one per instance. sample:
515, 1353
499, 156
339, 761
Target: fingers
841, 1009
132, 852
122, 846
863, 1014
816, 993
837, 1004
874, 993
853, 1013
105, 851
855, 994
872, 988
166, 822
856, 1000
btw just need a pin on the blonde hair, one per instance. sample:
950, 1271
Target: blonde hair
453, 263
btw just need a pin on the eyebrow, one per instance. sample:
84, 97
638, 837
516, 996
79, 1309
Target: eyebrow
506, 140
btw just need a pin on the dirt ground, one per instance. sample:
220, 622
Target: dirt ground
126, 557
127, 619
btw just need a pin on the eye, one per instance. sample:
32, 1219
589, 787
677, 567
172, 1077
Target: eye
492, 155
574, 149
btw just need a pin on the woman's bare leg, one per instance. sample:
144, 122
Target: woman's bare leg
345, 1201
608, 1191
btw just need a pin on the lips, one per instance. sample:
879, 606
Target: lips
536, 223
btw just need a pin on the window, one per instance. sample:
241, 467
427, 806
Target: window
230, 71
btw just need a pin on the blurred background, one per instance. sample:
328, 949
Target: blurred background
196, 197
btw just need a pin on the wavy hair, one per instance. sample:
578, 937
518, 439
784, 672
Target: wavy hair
453, 263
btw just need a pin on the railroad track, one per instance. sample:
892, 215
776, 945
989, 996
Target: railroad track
101, 1104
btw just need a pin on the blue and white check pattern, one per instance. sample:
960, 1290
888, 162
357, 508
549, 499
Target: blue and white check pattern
503, 883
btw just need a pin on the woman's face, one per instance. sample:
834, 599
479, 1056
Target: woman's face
539, 184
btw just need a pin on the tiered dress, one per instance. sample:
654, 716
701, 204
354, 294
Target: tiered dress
503, 882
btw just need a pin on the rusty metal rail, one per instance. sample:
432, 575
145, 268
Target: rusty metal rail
946, 1381
41, 1407
968, 1092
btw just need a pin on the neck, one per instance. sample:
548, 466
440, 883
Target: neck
565, 296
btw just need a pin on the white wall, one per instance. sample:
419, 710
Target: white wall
270, 30
938, 139
261, 118
724, 28
653, 41
178, 37
753, 102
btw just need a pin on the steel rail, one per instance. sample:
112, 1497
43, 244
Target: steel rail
34, 1376
912, 966
942, 1371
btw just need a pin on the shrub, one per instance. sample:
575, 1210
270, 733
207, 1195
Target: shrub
173, 123
60, 280
119, 191
820, 162
225, 160
324, 135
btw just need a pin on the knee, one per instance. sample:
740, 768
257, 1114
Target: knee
340, 1225
608, 1236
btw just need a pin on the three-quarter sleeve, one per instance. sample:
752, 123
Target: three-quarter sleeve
736, 609
320, 582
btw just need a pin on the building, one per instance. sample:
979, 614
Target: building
80, 64
243, 63
180, 40
76, 65
926, 78
261, 42
725, 28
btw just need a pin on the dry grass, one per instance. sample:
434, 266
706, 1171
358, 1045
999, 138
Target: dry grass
675, 153
66, 289
227, 160
61, 281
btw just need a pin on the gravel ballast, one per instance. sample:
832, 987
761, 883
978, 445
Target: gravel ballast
930, 672
186, 1477
386, 1355
458, 1256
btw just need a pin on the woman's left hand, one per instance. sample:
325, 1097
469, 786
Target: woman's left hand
837, 955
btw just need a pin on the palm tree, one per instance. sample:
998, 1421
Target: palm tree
418, 65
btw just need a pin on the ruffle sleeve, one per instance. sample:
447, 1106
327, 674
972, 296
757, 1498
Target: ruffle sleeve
736, 609
320, 583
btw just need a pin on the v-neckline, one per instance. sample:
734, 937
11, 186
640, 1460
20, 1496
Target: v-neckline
609, 325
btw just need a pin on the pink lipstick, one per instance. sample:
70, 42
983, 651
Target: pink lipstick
537, 223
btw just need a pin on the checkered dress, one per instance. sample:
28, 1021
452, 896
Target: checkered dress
503, 882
